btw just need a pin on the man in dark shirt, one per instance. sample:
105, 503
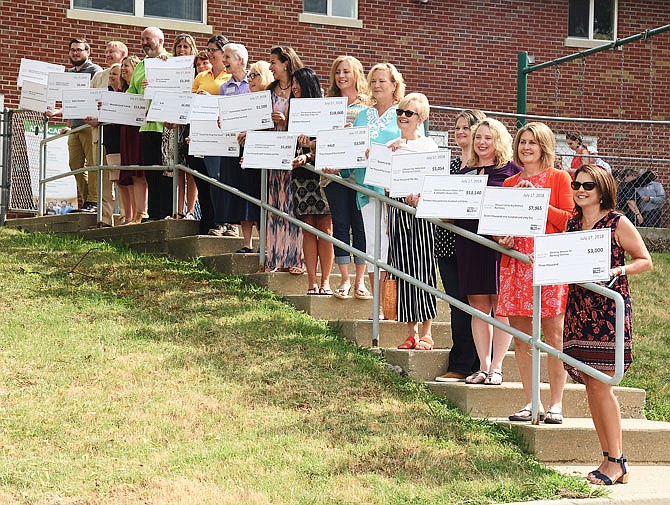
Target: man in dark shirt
80, 144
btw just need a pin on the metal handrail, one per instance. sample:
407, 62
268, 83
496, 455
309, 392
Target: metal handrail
533, 340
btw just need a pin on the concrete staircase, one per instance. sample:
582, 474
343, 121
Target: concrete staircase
573, 443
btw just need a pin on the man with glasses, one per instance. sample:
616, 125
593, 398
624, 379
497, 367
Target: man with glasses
80, 144
151, 133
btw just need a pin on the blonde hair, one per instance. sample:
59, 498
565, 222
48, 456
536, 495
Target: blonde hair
421, 102
189, 40
360, 83
262, 68
502, 143
545, 139
396, 77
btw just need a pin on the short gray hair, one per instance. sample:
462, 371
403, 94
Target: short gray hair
239, 51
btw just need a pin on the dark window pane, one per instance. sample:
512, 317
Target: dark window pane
315, 6
124, 6
603, 23
578, 18
189, 10
344, 8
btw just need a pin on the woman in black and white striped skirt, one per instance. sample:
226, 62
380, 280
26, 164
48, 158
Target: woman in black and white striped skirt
412, 240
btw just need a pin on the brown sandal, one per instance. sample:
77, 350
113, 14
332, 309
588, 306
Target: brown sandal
425, 343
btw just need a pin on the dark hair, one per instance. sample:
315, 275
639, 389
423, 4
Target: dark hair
576, 136
287, 55
79, 40
218, 40
310, 87
605, 185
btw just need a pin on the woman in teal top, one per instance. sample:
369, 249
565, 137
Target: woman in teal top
387, 88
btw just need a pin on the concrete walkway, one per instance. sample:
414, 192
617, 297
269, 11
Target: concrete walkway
648, 485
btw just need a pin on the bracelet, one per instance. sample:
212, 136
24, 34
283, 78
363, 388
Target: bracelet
622, 268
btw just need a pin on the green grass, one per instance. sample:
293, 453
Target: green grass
651, 337
133, 379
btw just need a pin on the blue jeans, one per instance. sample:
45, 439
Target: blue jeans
347, 221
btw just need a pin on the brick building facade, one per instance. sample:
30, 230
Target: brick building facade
459, 54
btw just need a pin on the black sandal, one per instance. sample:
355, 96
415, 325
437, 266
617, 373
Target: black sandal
605, 480
524, 418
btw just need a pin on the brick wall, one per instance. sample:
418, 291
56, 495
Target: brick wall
461, 54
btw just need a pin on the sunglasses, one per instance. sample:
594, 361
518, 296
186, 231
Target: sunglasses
211, 50
588, 185
407, 113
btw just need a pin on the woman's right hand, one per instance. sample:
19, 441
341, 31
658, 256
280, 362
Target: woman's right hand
241, 137
506, 242
333, 171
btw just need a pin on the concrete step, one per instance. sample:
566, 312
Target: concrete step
501, 401
575, 441
333, 309
391, 333
233, 264
66, 224
289, 284
426, 365
203, 245
152, 237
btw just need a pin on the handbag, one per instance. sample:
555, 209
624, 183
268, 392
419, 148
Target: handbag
389, 299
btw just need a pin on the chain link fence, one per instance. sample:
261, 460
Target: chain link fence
629, 147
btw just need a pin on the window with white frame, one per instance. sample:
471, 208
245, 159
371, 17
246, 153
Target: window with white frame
337, 8
592, 20
183, 10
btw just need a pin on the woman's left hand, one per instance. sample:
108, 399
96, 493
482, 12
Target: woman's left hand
506, 242
299, 161
413, 200
396, 145
524, 183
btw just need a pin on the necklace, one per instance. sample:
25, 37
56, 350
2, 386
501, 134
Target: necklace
282, 88
588, 225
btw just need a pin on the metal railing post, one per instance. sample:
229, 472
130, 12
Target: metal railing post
4, 165
100, 175
535, 362
42, 193
263, 221
175, 176
376, 281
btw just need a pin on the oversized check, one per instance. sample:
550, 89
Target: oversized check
34, 97
174, 74
170, 107
123, 108
408, 171
451, 196
378, 172
572, 258
207, 139
519, 212
59, 81
250, 111
272, 150
81, 103
310, 115
204, 107
341, 149
37, 71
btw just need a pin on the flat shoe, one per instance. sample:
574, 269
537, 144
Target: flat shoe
494, 378
343, 292
325, 292
553, 417
524, 415
409, 343
313, 291
476, 378
425, 343
362, 293
296, 271
244, 250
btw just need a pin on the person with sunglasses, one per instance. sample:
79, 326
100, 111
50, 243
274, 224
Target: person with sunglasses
534, 147
589, 334
412, 240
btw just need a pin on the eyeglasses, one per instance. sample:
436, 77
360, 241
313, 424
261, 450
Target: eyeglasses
211, 50
407, 113
253, 75
76, 50
588, 185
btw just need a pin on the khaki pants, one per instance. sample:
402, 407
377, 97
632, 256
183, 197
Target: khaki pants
80, 147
